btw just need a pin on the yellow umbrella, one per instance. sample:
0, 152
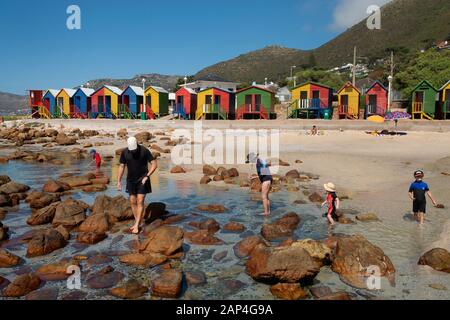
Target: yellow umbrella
376, 119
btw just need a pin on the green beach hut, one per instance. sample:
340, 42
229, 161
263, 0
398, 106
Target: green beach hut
255, 103
424, 101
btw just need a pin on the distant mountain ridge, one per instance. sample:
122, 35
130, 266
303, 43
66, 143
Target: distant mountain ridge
168, 82
13, 104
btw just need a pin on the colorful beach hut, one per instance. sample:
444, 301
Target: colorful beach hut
255, 103
215, 103
376, 100
105, 102
349, 99
49, 101
157, 101
36, 104
64, 100
82, 103
444, 100
185, 103
132, 102
424, 101
310, 100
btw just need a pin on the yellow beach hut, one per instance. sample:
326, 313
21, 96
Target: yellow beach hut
444, 98
157, 100
64, 99
349, 99
105, 102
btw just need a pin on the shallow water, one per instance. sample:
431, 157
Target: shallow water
399, 241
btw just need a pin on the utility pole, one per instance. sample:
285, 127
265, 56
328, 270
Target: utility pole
390, 79
354, 67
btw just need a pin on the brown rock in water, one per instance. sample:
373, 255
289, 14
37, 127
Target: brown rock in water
234, 227
99, 181
437, 258
320, 291
146, 260
53, 186
209, 170
55, 271
96, 223
367, 217
43, 216
13, 187
233, 173
5, 200
217, 178
345, 220
211, 208
91, 237
70, 213
104, 279
288, 291
220, 256
4, 179
4, 160
316, 198
293, 174
195, 278
22, 285
94, 188
354, 257
177, 169
202, 237
116, 209
282, 264
8, 260
76, 182
281, 228
90, 133
342, 295
205, 180
122, 133
245, 247
45, 294
132, 289
142, 137
64, 232
316, 249
165, 240
39, 200
211, 225
45, 242
255, 184
63, 140
168, 284
3, 232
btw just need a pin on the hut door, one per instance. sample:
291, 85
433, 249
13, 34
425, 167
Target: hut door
101, 104
248, 101
372, 104
344, 100
447, 95
303, 99
108, 104
419, 96
217, 102
258, 102
78, 102
316, 99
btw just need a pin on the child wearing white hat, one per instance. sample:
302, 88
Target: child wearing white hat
332, 201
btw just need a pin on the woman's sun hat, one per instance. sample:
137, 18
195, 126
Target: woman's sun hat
330, 187
132, 143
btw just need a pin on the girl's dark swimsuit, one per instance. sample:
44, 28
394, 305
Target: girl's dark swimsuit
263, 171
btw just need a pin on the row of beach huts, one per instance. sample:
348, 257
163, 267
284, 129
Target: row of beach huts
222, 101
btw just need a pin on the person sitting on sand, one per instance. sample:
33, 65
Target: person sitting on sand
265, 177
141, 165
314, 131
418, 192
97, 158
332, 201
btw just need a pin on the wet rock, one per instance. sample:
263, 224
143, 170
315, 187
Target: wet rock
13, 187
438, 286
173, 219
354, 258
234, 227
367, 217
281, 228
22, 285
316, 249
211, 225
63, 140
39, 200
288, 291
230, 286
142, 137
70, 213
96, 223
195, 278
281, 264
320, 291
202, 237
345, 220
132, 289
122, 133
165, 240
75, 182
75, 295
55, 271
3, 283
209, 170
94, 188
342, 295
3, 232
316, 198
90, 133
168, 284
220, 256
255, 184
43, 216
177, 169
5, 200
437, 258
217, 178
245, 247
100, 181
45, 242
104, 279
299, 202
233, 173
146, 260
91, 237
4, 179
116, 209
4, 160
99, 259
64, 232
205, 180
53, 186
8, 260
293, 174
212, 208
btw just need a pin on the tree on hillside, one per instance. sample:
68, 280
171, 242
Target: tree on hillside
180, 81
331, 79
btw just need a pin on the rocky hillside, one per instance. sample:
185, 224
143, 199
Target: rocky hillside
165, 81
12, 104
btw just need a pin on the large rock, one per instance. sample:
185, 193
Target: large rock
104, 279
39, 200
4, 179
147, 260
45, 294
142, 137
245, 247
281, 228
233, 173
355, 258
8, 260
177, 169
195, 278
91, 237
70, 213
437, 258
5, 200
316, 249
316, 198
281, 264
97, 223
132, 289
43, 216
116, 209
13, 187
209, 170
212, 208
367, 217
22, 285
210, 225
288, 291
234, 227
202, 237
55, 271
75, 182
293, 174
165, 240
63, 140
53, 186
45, 242
3, 232
205, 180
168, 284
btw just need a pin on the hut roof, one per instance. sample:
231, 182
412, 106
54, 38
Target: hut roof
114, 89
137, 90
445, 86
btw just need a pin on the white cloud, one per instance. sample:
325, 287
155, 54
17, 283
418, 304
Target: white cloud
347, 13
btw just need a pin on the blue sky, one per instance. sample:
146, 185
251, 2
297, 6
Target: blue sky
119, 39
